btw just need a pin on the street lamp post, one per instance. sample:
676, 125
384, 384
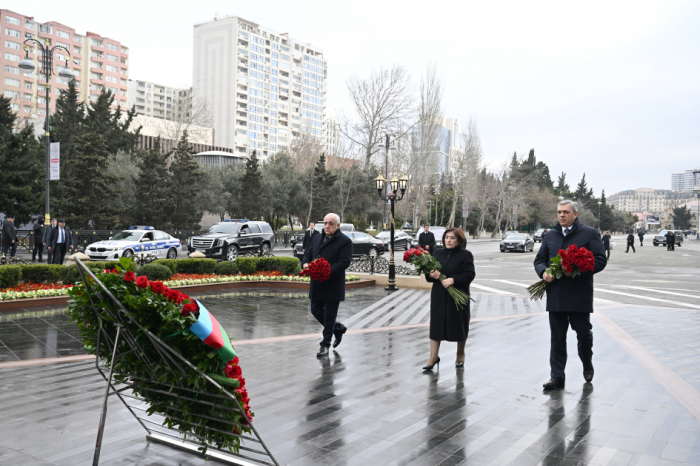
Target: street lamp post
387, 145
46, 62
600, 203
397, 184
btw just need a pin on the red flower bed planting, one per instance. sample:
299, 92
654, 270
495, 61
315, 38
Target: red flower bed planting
27, 286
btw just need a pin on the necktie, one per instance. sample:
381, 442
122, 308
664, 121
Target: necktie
566, 232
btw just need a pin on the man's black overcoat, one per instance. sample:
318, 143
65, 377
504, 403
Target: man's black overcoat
427, 239
338, 252
570, 294
308, 236
446, 322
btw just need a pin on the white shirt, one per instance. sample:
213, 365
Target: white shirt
61, 237
566, 231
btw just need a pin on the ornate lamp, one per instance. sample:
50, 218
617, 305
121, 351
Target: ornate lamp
380, 182
403, 183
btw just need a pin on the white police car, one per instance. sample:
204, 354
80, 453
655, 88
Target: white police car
136, 240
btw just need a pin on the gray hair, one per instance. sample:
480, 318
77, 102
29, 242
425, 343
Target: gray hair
337, 218
574, 205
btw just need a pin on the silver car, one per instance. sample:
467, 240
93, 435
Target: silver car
517, 242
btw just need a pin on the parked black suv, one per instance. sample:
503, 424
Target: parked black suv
226, 240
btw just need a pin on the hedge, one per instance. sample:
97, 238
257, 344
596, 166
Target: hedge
10, 275
286, 265
226, 268
43, 273
200, 266
154, 272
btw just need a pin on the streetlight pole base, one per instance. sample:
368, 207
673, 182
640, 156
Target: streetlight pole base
391, 287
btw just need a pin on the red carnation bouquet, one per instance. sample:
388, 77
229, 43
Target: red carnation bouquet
319, 270
425, 263
571, 263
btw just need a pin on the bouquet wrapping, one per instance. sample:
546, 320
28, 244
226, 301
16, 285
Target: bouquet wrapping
571, 262
319, 270
425, 263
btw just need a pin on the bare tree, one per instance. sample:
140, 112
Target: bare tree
306, 150
189, 114
382, 101
466, 164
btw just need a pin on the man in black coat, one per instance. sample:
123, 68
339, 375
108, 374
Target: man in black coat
569, 300
38, 238
606, 244
308, 236
670, 241
9, 236
61, 241
630, 242
325, 296
426, 239
640, 233
48, 231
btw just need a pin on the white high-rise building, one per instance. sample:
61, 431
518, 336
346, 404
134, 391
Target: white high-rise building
264, 88
684, 181
154, 100
331, 132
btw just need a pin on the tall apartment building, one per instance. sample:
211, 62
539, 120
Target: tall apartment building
264, 88
685, 180
97, 62
154, 100
651, 200
331, 136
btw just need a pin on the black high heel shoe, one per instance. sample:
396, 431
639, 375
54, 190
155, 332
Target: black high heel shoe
430, 367
459, 364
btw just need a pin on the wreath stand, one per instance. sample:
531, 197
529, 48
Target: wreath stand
137, 406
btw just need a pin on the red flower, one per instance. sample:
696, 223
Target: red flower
142, 282
249, 415
157, 287
232, 371
174, 296
190, 308
130, 277
241, 382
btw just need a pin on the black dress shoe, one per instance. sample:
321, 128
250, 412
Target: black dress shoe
554, 383
339, 337
322, 351
588, 375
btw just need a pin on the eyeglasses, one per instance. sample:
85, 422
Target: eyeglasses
329, 223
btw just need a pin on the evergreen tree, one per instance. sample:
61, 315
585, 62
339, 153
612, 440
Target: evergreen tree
250, 203
562, 188
22, 175
185, 178
152, 189
682, 217
323, 183
582, 193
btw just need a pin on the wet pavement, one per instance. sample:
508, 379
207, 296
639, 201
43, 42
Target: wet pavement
370, 403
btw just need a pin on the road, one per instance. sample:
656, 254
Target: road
652, 276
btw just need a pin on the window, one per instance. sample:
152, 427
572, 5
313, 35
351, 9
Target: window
28, 85
123, 71
96, 76
11, 69
113, 69
112, 47
76, 38
122, 82
112, 57
12, 57
12, 33
63, 34
76, 49
94, 64
95, 87
76, 73
122, 92
13, 20
96, 43
125, 51
11, 94
12, 45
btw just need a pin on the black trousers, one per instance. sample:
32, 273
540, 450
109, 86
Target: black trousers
38, 248
630, 245
59, 253
326, 313
671, 246
12, 247
641, 241
559, 325
49, 255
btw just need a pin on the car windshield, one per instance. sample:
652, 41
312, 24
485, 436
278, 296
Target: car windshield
541, 230
384, 234
127, 236
663, 232
227, 228
516, 237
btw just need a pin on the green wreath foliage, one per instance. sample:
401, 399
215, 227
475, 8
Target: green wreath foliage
183, 409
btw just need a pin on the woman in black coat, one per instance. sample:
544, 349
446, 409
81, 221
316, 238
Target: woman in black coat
446, 322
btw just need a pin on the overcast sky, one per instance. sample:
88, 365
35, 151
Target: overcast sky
611, 89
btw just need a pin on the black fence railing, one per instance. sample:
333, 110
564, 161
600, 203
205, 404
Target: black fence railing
372, 265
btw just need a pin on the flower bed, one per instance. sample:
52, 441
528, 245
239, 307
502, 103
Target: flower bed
44, 290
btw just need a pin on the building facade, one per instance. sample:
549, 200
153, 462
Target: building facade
158, 101
685, 181
264, 88
448, 143
97, 62
331, 136
651, 200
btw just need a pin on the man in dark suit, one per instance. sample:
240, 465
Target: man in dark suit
48, 231
9, 236
61, 241
325, 296
569, 300
670, 241
308, 236
426, 239
630, 242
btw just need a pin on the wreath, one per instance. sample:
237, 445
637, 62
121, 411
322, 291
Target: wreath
192, 406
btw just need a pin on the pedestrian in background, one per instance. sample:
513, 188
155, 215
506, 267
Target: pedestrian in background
309, 236
447, 323
61, 241
606, 244
630, 243
38, 231
641, 238
426, 239
9, 236
670, 241
48, 231
569, 300
325, 296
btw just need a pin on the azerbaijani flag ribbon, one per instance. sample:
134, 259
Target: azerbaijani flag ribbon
210, 331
